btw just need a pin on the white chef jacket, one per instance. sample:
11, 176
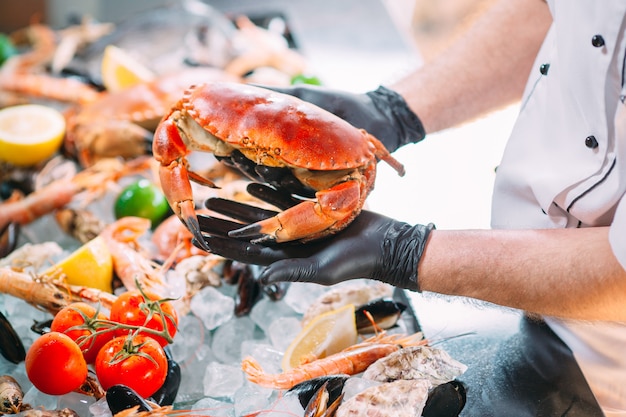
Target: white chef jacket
565, 163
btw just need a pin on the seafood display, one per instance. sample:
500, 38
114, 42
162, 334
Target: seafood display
197, 130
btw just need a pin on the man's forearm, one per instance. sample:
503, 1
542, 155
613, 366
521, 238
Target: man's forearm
484, 69
568, 273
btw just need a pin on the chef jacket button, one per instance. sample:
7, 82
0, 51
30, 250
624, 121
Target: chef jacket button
591, 142
543, 69
597, 41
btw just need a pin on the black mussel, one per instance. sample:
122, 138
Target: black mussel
322, 403
41, 327
276, 291
306, 390
248, 293
121, 397
23, 186
232, 271
8, 238
11, 346
82, 76
445, 400
385, 312
168, 391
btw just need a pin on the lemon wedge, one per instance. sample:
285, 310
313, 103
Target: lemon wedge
30, 133
90, 266
121, 70
326, 334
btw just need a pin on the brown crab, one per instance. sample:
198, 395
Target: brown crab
277, 133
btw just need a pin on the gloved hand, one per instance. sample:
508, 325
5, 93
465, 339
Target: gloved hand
382, 112
372, 246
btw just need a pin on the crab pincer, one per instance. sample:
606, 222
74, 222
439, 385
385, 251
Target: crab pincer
281, 137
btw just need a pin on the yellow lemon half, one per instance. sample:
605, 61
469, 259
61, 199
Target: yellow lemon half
326, 334
120, 70
30, 133
90, 266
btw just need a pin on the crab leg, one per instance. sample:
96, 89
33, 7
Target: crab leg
170, 151
307, 220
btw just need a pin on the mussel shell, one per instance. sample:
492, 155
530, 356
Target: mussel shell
445, 400
168, 391
11, 346
307, 389
248, 293
41, 327
121, 397
276, 291
384, 311
8, 238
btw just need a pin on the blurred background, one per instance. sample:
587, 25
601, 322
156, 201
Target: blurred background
432, 23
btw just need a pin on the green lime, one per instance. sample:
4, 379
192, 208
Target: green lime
304, 79
6, 48
142, 199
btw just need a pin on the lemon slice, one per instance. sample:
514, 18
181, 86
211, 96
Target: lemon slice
120, 70
30, 133
90, 266
326, 334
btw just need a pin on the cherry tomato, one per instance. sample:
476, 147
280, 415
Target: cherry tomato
132, 308
142, 199
80, 321
55, 365
138, 362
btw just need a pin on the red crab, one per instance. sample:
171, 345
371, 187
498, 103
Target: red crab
278, 133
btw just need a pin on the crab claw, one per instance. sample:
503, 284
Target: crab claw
308, 220
188, 216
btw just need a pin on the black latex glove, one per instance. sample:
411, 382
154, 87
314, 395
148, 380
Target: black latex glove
382, 112
372, 246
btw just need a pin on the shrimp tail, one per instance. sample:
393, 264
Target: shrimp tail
254, 371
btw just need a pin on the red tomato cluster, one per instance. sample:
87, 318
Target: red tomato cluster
124, 349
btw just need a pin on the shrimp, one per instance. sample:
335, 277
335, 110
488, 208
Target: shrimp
49, 292
173, 241
350, 361
165, 411
129, 262
25, 74
58, 194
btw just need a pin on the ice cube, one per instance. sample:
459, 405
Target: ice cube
212, 307
227, 339
265, 311
300, 295
222, 381
282, 331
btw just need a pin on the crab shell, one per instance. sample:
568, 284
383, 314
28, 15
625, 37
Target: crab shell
323, 152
